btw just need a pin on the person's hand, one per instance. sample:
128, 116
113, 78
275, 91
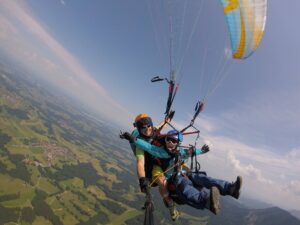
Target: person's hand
205, 148
144, 183
127, 136
170, 116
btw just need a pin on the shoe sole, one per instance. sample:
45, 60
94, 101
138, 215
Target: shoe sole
215, 200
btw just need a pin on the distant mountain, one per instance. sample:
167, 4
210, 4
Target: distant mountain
272, 216
233, 212
295, 213
254, 204
59, 166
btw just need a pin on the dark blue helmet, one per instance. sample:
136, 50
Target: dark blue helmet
176, 135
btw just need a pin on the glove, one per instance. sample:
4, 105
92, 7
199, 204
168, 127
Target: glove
205, 148
127, 136
144, 183
170, 116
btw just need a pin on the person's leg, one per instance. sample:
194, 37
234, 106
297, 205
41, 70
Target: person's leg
199, 199
160, 179
208, 182
235, 189
225, 187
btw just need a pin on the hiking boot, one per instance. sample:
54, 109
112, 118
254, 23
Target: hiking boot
174, 213
235, 189
169, 203
214, 200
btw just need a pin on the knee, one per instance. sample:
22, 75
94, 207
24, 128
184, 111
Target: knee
161, 181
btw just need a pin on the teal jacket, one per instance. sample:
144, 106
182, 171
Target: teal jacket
167, 160
135, 134
161, 152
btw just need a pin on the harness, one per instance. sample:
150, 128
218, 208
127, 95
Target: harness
194, 160
171, 182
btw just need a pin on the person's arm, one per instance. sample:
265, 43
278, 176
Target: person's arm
140, 162
135, 133
187, 152
166, 120
159, 152
204, 149
140, 168
160, 125
199, 151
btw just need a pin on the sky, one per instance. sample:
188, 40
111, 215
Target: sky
104, 54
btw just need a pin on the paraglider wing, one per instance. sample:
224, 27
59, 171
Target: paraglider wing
246, 23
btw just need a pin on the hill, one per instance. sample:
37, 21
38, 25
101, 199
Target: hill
56, 165
296, 213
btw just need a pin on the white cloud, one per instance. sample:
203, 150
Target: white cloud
206, 124
293, 187
266, 173
25, 39
62, 2
247, 170
293, 156
269, 173
6, 28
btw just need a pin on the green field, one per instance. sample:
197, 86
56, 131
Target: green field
49, 162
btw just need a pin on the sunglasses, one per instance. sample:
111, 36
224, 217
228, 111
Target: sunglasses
171, 140
145, 127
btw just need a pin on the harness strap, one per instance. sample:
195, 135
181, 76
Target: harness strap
194, 160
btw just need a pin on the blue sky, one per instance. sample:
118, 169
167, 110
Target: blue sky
104, 53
